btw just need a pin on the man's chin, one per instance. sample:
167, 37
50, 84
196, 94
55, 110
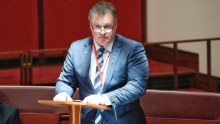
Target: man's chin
103, 42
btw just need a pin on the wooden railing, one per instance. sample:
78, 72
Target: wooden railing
175, 56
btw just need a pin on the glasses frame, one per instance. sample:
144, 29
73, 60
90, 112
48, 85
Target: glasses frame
99, 30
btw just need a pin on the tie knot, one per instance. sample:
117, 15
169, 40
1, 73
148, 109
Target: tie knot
101, 50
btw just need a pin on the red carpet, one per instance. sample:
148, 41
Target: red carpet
159, 68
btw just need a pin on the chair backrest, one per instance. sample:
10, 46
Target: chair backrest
12, 68
183, 105
25, 98
44, 62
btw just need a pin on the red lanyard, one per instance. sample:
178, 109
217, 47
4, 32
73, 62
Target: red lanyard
105, 63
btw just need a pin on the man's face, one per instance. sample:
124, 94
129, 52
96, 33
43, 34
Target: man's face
103, 28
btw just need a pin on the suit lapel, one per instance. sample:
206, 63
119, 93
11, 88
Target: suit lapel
112, 62
86, 54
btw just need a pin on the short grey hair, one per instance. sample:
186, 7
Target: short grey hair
101, 8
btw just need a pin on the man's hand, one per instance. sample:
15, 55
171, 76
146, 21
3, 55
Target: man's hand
62, 97
95, 99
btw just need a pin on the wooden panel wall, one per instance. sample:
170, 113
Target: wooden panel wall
60, 22
18, 25
67, 20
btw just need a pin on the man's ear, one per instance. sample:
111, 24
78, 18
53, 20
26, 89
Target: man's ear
116, 23
90, 26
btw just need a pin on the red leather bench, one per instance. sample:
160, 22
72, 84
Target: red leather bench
179, 107
160, 107
26, 99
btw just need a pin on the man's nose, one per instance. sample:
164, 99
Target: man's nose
103, 30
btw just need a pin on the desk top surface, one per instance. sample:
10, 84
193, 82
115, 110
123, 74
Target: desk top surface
74, 103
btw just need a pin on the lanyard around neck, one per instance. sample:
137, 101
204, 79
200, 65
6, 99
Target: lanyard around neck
105, 63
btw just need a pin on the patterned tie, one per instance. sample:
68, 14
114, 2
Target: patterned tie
97, 83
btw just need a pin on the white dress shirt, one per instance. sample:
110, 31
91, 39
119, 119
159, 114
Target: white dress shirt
93, 64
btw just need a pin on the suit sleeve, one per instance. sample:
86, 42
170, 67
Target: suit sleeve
67, 81
137, 73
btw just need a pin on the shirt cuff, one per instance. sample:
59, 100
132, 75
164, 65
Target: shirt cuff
107, 101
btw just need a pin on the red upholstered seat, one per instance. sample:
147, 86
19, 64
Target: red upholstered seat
42, 72
10, 76
46, 74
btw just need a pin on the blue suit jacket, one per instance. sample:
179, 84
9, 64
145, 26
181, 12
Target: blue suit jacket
126, 79
9, 114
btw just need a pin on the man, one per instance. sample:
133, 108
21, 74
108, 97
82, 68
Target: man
108, 69
9, 114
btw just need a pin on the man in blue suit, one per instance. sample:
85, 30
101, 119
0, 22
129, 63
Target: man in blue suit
108, 69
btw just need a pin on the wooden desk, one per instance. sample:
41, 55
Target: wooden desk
74, 108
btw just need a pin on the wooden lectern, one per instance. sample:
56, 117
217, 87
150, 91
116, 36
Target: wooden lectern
74, 108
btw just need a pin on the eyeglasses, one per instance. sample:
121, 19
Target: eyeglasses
99, 29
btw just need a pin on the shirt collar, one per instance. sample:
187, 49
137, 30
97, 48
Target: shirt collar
107, 48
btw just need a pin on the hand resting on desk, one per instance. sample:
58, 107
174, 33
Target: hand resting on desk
62, 97
92, 99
